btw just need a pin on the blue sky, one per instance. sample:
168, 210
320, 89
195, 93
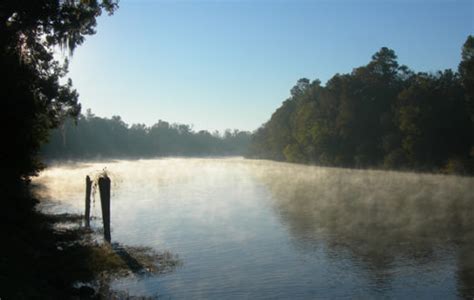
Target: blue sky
230, 63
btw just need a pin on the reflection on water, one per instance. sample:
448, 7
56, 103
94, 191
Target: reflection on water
260, 229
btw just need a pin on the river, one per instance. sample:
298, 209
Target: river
261, 229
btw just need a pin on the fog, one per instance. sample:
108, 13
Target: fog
374, 232
374, 206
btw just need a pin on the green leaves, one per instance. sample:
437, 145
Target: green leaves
380, 115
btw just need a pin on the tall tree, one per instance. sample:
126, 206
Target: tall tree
380, 115
35, 96
466, 70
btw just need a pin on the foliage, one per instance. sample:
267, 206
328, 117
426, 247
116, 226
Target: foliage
35, 93
95, 137
380, 115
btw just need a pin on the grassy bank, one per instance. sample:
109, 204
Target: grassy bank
49, 256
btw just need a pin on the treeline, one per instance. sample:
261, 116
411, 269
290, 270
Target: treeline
381, 115
94, 137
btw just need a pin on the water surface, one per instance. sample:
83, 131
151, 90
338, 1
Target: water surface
260, 229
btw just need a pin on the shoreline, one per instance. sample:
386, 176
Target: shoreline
55, 256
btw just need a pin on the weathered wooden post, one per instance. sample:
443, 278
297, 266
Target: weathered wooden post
104, 189
88, 200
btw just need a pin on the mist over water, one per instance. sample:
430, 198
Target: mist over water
261, 229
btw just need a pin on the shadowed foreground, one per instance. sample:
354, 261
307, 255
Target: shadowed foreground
49, 256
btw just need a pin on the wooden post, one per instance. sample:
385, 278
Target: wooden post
88, 200
104, 189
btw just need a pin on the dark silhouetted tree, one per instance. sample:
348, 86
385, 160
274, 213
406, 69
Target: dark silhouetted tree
380, 115
35, 94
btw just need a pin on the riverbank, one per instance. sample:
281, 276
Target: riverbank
55, 257
261, 229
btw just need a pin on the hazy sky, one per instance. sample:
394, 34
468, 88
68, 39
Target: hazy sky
230, 64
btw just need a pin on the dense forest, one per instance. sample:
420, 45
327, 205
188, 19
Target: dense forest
381, 115
90, 136
37, 96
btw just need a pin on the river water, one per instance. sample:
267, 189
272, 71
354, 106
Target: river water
260, 229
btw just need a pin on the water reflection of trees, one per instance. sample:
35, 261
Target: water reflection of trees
378, 217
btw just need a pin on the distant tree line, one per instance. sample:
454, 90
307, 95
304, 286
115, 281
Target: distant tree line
380, 115
91, 136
